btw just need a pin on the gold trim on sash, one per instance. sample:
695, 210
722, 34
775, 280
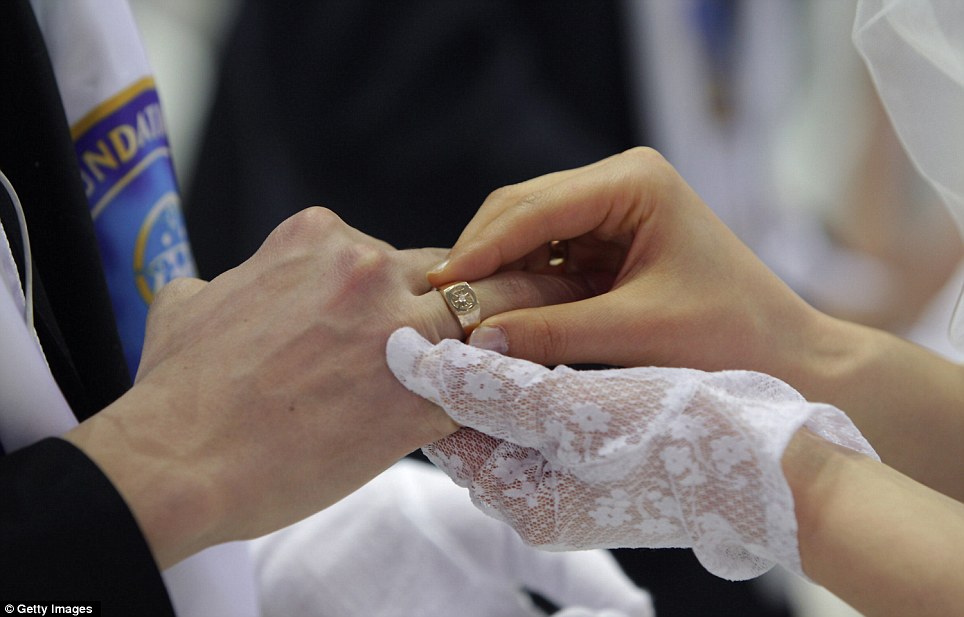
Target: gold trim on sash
109, 106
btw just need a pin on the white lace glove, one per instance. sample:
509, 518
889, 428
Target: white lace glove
410, 543
640, 457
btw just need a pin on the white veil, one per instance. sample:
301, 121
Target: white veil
914, 50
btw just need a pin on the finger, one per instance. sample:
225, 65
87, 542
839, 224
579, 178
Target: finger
608, 200
509, 196
503, 292
585, 331
506, 197
414, 263
583, 255
462, 454
476, 388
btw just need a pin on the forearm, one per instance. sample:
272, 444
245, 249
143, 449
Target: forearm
907, 401
879, 540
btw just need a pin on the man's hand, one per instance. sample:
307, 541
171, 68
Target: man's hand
264, 396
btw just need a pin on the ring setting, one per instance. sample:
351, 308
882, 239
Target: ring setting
464, 304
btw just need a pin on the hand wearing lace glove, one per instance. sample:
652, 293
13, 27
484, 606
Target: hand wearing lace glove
678, 288
410, 543
641, 457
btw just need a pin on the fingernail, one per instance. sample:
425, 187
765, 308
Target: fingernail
439, 267
491, 338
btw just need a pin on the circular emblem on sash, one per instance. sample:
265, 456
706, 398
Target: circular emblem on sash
162, 252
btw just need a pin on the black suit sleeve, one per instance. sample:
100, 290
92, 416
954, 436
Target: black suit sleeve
67, 535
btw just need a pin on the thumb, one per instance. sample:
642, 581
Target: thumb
476, 388
572, 333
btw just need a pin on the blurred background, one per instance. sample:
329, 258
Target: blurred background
402, 117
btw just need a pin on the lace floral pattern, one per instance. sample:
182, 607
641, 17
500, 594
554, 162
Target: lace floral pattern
641, 457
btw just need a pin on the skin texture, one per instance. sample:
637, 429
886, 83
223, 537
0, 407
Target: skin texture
263, 396
676, 288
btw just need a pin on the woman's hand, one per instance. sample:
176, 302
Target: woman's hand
686, 292
679, 288
635, 457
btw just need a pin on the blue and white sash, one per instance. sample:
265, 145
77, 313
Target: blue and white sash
120, 137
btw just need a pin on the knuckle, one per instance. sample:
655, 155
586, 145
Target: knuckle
302, 232
647, 167
362, 264
644, 155
531, 200
316, 219
657, 169
310, 224
649, 162
503, 193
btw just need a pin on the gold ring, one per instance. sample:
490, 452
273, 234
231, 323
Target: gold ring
464, 304
558, 252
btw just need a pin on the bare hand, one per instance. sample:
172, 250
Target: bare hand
681, 289
264, 396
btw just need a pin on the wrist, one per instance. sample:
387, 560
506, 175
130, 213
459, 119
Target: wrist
825, 356
904, 399
879, 540
167, 495
812, 467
